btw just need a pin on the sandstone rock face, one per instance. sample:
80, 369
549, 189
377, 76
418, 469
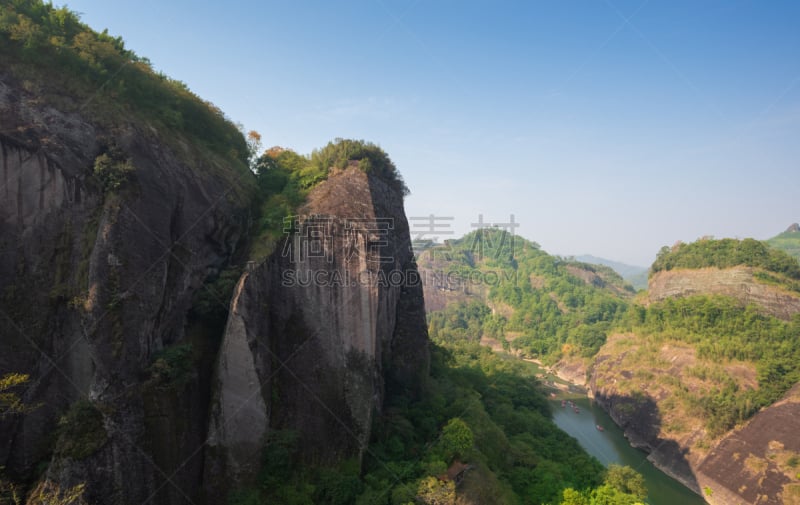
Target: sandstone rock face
736, 282
329, 323
753, 464
94, 283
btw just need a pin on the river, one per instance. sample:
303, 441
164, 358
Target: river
610, 446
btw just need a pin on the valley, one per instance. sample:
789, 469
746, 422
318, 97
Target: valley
188, 318
681, 368
611, 447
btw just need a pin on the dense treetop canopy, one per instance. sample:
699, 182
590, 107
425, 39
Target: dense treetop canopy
726, 253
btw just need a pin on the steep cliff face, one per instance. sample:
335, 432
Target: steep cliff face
95, 282
737, 282
319, 332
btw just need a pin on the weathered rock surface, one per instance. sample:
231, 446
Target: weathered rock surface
320, 331
754, 464
736, 282
94, 283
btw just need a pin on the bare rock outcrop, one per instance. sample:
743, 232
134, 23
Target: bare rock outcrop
321, 331
757, 463
737, 282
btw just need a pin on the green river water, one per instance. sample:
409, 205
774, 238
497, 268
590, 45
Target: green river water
610, 446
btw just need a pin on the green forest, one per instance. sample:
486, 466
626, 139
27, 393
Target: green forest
726, 253
788, 241
554, 312
481, 414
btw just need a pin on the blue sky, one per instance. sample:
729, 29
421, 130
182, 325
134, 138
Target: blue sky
605, 127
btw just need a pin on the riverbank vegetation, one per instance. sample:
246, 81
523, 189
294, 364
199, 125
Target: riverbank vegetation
722, 332
482, 429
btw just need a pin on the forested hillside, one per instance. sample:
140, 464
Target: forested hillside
717, 342
681, 365
544, 306
726, 253
69, 65
788, 241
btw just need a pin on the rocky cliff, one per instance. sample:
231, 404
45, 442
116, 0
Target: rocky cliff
101, 272
737, 282
98, 278
319, 332
759, 462
656, 388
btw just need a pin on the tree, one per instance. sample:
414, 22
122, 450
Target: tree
626, 480
609, 495
572, 497
432, 491
456, 439
253, 147
27, 32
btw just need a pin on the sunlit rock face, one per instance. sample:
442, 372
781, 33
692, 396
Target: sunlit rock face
319, 331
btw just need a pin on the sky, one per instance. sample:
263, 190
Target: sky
605, 127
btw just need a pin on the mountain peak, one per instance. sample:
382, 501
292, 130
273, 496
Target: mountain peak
795, 227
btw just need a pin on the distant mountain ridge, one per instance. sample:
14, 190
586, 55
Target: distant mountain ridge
634, 274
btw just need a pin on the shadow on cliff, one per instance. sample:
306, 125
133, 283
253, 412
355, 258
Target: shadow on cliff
640, 419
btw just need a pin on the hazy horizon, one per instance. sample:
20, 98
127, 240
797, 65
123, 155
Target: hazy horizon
608, 128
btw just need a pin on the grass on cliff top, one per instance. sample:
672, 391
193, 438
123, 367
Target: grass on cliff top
285, 179
58, 59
